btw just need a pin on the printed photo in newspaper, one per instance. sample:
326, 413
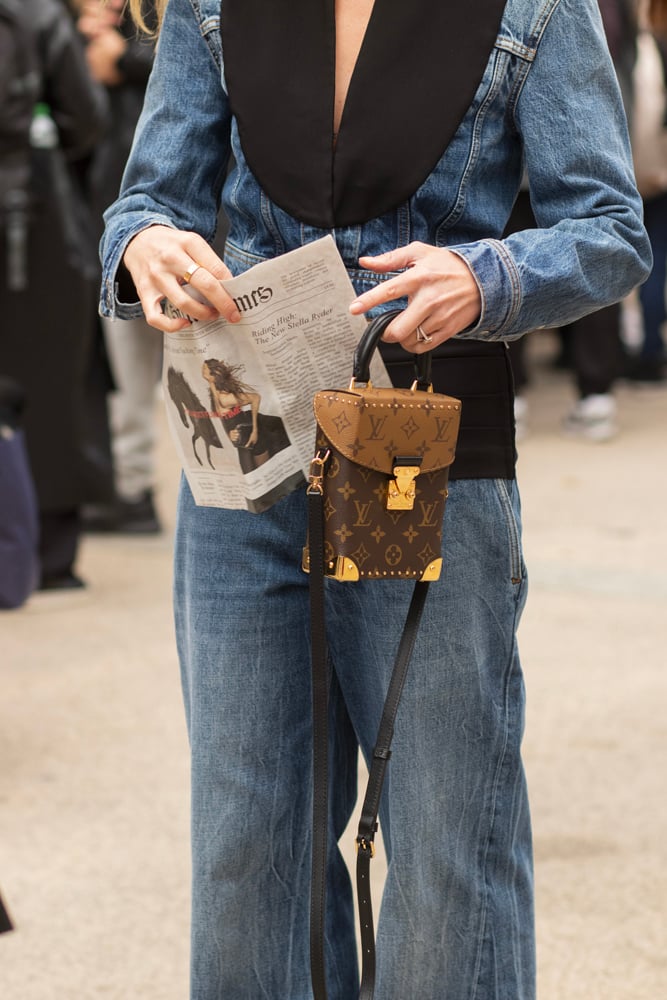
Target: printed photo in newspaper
239, 395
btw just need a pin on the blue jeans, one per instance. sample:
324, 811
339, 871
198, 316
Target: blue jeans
457, 916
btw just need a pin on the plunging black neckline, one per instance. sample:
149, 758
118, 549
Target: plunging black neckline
418, 67
332, 68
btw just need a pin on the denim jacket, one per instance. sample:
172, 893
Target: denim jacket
547, 108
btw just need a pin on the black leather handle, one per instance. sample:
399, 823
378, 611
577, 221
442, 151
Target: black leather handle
370, 340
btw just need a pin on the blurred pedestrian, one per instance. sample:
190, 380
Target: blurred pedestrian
591, 347
121, 61
647, 364
594, 343
47, 277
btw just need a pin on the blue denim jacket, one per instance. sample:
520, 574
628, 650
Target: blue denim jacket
548, 107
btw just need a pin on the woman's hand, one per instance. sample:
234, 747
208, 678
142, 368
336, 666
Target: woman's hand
162, 261
443, 296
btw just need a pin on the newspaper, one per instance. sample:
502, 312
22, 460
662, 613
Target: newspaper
239, 395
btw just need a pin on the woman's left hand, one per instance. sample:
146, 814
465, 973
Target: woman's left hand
443, 296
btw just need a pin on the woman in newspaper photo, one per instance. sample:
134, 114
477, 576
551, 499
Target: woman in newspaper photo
256, 436
403, 130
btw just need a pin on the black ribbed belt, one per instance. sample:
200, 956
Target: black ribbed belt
478, 373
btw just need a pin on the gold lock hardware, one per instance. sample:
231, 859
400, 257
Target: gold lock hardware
401, 491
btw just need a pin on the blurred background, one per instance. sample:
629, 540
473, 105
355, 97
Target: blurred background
94, 860
94, 855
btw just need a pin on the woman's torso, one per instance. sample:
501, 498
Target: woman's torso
284, 156
444, 207
467, 195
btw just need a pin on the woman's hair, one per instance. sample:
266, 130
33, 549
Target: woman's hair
225, 377
138, 10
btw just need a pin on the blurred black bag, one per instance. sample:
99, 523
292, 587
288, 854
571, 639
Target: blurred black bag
19, 519
5, 922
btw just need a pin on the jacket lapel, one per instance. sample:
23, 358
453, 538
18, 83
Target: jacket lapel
419, 67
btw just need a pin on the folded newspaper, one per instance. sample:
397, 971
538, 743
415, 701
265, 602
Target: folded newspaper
239, 395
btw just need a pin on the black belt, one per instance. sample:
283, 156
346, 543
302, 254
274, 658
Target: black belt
478, 373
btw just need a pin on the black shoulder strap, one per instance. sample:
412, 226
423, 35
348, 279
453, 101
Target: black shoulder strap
381, 754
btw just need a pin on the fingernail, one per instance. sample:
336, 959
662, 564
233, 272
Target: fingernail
235, 316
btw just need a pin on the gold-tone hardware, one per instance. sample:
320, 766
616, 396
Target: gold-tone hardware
341, 568
316, 474
415, 386
401, 491
432, 571
353, 384
366, 845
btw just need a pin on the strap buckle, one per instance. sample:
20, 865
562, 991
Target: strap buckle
316, 473
365, 846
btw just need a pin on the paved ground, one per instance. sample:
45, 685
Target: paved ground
93, 758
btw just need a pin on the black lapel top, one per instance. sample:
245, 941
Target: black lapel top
420, 64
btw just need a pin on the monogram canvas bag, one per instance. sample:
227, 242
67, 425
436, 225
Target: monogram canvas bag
382, 466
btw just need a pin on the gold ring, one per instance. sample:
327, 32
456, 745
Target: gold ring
422, 336
187, 277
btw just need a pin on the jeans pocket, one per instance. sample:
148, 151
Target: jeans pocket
513, 531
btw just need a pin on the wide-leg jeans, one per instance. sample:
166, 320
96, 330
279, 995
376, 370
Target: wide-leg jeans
456, 921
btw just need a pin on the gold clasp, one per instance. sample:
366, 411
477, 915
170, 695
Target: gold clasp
316, 473
401, 491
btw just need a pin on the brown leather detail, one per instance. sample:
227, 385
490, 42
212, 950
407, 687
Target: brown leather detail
372, 427
365, 431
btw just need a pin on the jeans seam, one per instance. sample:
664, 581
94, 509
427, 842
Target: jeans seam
516, 571
493, 814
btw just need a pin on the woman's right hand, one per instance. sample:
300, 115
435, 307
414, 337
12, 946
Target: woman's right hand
159, 258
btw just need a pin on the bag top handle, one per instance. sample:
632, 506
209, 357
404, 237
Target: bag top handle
369, 341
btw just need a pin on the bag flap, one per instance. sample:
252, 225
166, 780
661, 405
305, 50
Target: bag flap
373, 427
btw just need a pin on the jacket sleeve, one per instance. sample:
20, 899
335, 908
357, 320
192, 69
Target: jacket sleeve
590, 248
179, 158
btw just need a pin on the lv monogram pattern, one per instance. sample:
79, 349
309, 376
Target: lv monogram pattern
365, 431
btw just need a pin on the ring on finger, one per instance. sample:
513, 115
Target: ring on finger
187, 277
422, 336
